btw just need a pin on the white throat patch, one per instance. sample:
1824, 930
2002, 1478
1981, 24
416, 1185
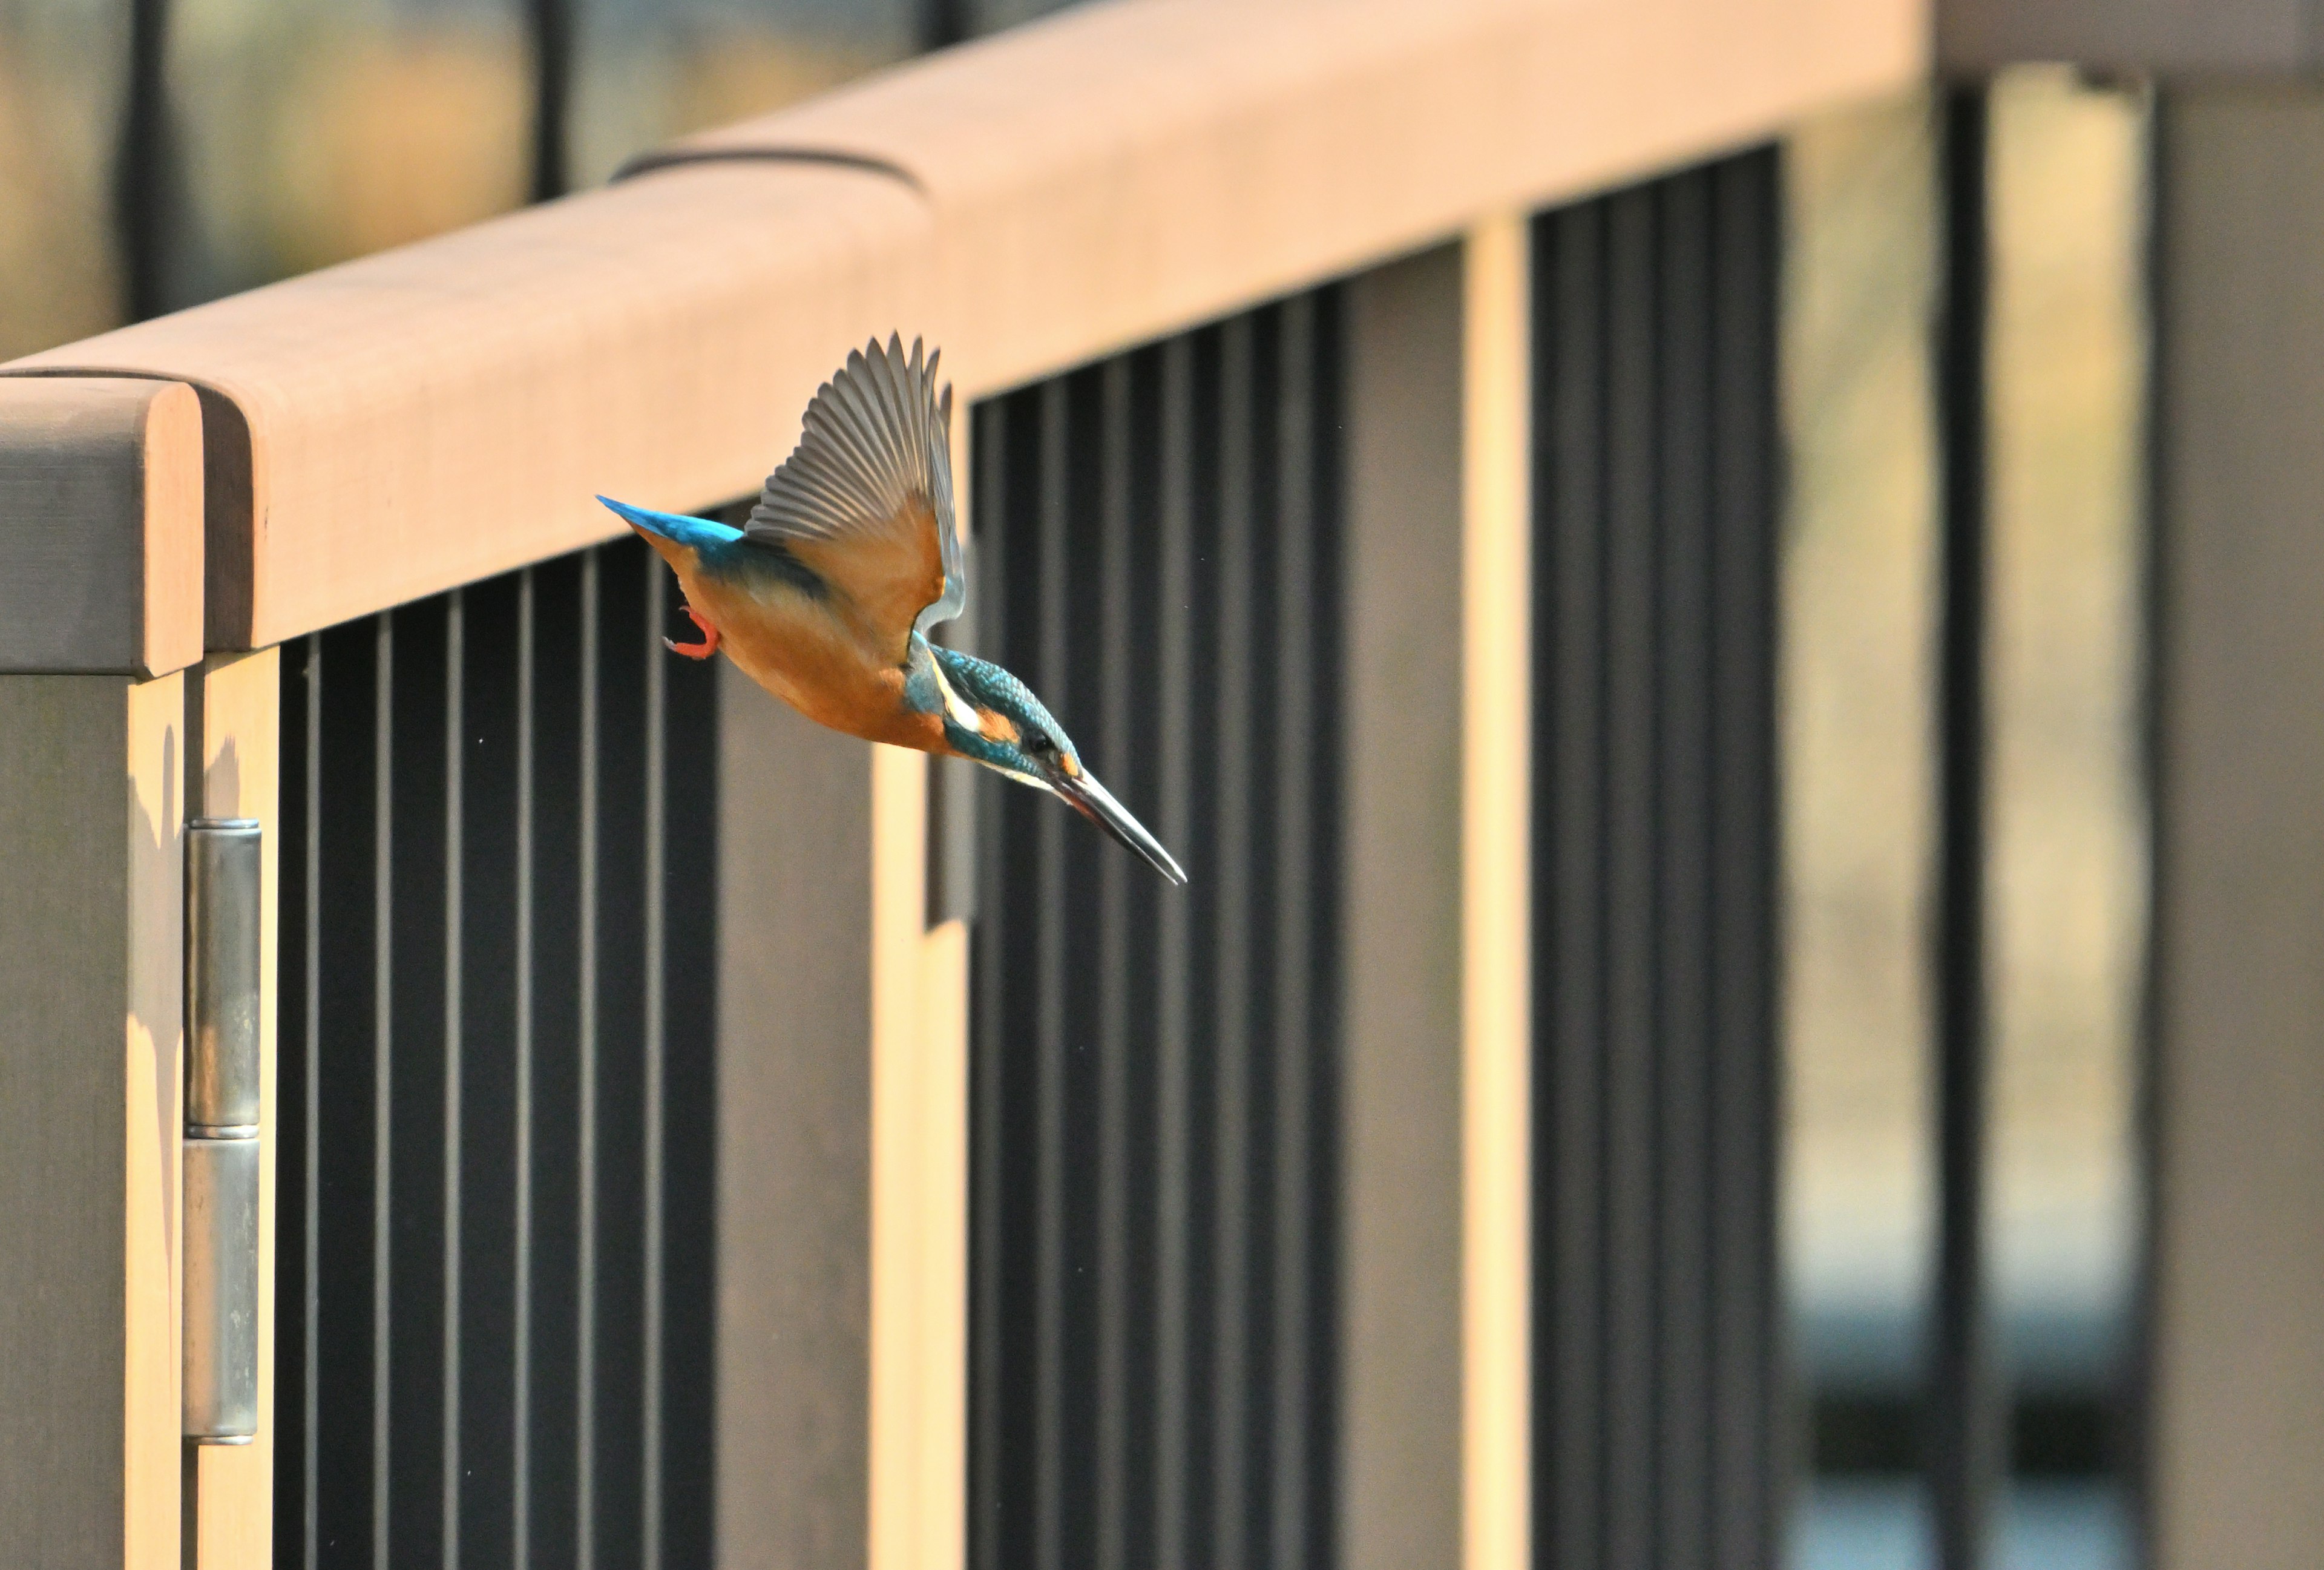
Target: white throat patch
957, 706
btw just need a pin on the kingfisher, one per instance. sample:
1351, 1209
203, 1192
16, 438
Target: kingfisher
825, 596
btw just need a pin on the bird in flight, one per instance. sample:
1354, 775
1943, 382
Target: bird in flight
825, 596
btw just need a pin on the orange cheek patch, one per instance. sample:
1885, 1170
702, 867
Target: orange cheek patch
996, 727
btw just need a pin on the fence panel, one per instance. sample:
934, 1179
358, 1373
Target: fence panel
1656, 488
1152, 1326
494, 1292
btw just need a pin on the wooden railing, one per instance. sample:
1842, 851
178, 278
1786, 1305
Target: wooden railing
425, 419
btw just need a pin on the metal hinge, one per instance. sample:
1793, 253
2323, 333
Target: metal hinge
222, 1123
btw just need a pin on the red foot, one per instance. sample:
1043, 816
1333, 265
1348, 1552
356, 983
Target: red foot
702, 650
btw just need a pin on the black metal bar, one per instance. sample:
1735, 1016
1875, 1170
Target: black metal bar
1632, 972
988, 1483
616, 1289
1748, 1472
1325, 499
1682, 875
944, 23
1965, 1458
1296, 740
455, 811
299, 1004
560, 676
550, 24
349, 735
142, 206
1569, 697
1050, 610
688, 895
1231, 1110
382, 1054
647, 579
1175, 1295
490, 945
413, 958
1117, 704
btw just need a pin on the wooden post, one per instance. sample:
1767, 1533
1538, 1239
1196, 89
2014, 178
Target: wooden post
1401, 1239
100, 585
2236, 1343
1496, 898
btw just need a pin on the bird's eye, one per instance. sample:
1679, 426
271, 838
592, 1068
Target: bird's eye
1039, 745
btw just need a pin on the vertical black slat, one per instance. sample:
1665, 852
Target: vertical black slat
944, 23
344, 1092
1048, 617
1261, 1014
1569, 485
1742, 861
382, 1060
990, 1478
1295, 740
1964, 1425
491, 944
550, 24
1205, 843
647, 576
1174, 1286
1115, 698
1072, 595
1682, 878
1012, 848
1231, 756
1627, 812
455, 900
1136, 643
588, 1054
557, 687
1325, 565
617, 1130
412, 1064
142, 187
689, 760
297, 1003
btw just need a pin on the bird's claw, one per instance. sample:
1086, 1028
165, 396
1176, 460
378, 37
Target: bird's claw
702, 650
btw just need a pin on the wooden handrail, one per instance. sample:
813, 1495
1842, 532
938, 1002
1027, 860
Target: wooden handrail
424, 418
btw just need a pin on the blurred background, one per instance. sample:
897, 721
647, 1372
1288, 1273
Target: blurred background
156, 154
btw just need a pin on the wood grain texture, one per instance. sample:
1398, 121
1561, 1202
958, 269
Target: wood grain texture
241, 742
420, 419
1496, 897
1400, 1256
2235, 1427
795, 1032
100, 525
90, 913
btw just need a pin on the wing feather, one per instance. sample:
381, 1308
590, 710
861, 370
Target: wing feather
866, 498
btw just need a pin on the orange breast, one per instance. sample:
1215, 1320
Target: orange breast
811, 658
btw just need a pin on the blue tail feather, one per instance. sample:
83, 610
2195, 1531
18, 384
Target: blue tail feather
697, 532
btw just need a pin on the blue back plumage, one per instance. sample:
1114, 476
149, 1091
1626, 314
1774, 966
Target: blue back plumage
986, 686
725, 553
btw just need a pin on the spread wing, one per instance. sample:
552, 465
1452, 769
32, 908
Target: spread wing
865, 499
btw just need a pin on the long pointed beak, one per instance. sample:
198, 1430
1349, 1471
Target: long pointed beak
1094, 801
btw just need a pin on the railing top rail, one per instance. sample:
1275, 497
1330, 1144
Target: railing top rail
424, 418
